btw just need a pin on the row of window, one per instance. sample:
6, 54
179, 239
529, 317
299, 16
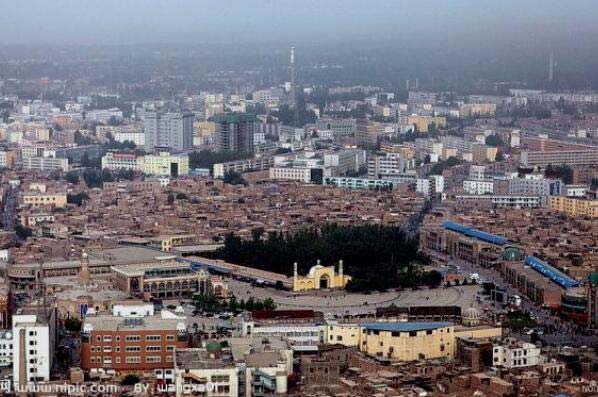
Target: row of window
129, 349
129, 360
134, 338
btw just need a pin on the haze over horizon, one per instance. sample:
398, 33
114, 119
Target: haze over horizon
65, 22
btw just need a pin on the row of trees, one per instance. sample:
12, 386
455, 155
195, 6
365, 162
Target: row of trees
442, 165
377, 257
211, 304
207, 158
94, 177
563, 172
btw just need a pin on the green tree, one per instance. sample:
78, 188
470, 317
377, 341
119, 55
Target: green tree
234, 178
72, 177
130, 380
367, 251
77, 198
494, 140
72, 324
207, 158
23, 232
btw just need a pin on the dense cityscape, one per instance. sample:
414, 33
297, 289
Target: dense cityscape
296, 218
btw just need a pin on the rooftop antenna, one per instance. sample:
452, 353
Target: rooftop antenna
294, 101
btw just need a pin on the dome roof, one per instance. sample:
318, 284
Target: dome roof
471, 314
512, 254
312, 271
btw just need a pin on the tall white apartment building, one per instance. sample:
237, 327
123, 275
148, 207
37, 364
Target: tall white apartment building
392, 164
343, 161
33, 340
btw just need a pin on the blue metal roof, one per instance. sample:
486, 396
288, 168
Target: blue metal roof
471, 232
406, 327
554, 274
196, 265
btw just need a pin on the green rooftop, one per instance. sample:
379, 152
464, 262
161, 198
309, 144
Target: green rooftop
234, 118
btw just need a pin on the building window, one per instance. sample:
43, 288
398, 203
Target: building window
133, 360
153, 338
153, 348
130, 349
133, 338
153, 359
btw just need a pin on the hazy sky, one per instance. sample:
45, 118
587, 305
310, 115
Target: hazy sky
148, 21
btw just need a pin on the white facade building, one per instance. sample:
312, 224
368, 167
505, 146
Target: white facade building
6, 348
438, 181
387, 166
422, 186
343, 161
121, 161
478, 187
138, 138
291, 174
516, 354
45, 164
299, 336
34, 338
477, 172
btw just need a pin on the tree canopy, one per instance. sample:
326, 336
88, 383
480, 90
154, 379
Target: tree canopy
368, 251
207, 158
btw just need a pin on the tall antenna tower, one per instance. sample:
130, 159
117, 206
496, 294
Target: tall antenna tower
551, 65
294, 87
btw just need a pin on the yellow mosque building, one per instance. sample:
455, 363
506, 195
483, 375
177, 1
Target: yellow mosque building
320, 277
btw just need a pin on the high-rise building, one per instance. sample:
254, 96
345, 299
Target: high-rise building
34, 338
168, 130
234, 132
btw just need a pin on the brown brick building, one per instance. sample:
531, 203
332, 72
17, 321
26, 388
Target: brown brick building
133, 339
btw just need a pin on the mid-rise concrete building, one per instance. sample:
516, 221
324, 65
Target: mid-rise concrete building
115, 161
240, 166
300, 174
165, 164
344, 161
478, 187
34, 339
168, 130
234, 132
569, 157
133, 338
516, 354
387, 166
207, 372
340, 127
574, 206
45, 163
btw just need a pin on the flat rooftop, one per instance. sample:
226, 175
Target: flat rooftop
201, 359
108, 322
130, 254
471, 232
406, 326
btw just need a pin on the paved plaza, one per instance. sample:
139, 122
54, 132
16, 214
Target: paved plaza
342, 302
